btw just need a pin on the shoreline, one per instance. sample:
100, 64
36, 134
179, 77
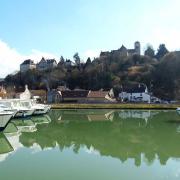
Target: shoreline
116, 106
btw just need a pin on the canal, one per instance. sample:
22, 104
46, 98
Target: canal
92, 145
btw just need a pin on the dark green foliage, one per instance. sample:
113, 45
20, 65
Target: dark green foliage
77, 58
166, 76
162, 51
149, 52
88, 61
62, 60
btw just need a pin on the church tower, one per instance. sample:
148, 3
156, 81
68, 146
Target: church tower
137, 47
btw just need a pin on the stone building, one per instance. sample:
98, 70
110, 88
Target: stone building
27, 65
80, 96
45, 64
122, 52
136, 94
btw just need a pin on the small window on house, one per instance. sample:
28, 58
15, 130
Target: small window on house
141, 94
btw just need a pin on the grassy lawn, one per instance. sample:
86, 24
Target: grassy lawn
115, 106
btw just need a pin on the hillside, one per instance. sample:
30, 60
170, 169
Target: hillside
161, 76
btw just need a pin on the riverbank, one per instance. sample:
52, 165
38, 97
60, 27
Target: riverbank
115, 106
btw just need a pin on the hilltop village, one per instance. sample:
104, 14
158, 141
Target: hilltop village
47, 64
123, 75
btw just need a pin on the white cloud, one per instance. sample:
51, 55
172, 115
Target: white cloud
91, 150
170, 11
10, 58
169, 36
36, 55
91, 53
167, 28
160, 25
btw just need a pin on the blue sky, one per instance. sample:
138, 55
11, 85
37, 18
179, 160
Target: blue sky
53, 28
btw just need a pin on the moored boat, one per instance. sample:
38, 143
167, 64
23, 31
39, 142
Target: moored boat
26, 101
5, 108
39, 109
15, 105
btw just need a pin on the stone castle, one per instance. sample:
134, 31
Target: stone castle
122, 52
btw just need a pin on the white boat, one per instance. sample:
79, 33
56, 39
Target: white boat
5, 117
5, 108
38, 108
15, 105
25, 99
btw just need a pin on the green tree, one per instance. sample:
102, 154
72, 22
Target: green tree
88, 61
149, 51
162, 51
77, 59
62, 60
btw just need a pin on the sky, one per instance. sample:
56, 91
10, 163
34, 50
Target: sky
51, 28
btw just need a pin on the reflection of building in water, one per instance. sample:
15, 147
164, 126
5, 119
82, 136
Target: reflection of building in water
137, 114
81, 115
101, 117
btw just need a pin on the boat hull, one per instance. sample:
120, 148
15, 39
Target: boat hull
24, 113
43, 110
29, 113
40, 111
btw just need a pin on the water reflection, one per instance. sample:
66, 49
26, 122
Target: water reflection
10, 137
120, 134
137, 114
5, 147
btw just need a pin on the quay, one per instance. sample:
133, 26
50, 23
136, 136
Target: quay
115, 106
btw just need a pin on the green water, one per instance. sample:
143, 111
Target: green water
92, 145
